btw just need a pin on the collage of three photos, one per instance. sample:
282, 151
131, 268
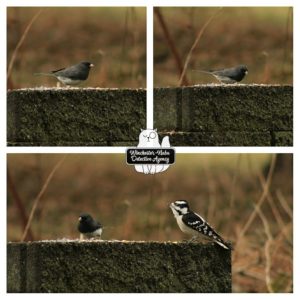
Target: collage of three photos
142, 207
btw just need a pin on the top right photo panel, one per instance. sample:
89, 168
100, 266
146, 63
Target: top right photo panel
224, 76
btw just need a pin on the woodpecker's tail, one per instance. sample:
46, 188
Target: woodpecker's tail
224, 244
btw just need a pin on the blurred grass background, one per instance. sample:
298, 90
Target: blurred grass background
259, 37
224, 188
112, 38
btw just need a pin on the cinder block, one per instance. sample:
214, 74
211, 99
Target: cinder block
227, 109
167, 108
282, 138
222, 138
113, 267
74, 117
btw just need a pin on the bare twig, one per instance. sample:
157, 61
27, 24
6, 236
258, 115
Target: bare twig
233, 187
200, 33
171, 44
261, 200
20, 206
124, 39
273, 207
268, 245
284, 204
14, 55
39, 196
288, 47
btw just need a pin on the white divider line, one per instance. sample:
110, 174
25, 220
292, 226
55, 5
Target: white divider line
150, 66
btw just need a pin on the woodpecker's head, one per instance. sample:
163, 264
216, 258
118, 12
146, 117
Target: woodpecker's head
179, 208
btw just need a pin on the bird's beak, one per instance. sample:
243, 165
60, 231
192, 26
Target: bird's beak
79, 219
246, 72
91, 65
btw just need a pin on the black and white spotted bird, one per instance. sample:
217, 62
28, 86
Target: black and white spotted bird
88, 227
193, 224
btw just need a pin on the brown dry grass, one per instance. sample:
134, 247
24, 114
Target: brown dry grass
114, 39
260, 37
224, 188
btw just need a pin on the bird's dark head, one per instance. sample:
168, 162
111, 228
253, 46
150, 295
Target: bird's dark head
87, 64
180, 207
243, 69
83, 218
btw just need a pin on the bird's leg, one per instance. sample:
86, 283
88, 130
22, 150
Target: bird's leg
81, 237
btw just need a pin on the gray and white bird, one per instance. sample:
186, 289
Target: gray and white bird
230, 75
72, 75
193, 224
88, 227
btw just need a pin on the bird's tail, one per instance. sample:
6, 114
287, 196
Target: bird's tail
44, 74
224, 244
202, 71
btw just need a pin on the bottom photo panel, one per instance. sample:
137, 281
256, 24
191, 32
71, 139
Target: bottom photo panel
209, 223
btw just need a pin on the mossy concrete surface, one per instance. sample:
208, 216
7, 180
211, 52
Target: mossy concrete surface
225, 115
75, 116
115, 267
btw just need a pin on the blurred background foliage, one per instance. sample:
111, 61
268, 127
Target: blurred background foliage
224, 188
259, 37
112, 38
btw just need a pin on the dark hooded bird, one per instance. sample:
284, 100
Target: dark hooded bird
72, 75
88, 227
231, 75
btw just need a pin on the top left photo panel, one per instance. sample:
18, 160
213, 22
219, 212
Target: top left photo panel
76, 76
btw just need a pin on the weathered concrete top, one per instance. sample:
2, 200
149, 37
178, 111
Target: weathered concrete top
117, 266
226, 115
75, 116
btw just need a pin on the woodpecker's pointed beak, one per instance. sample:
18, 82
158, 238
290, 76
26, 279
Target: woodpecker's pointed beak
79, 219
91, 65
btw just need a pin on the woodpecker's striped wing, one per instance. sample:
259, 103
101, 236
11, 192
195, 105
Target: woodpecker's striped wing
197, 223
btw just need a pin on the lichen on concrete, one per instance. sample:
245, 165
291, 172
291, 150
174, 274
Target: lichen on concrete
114, 266
226, 115
72, 116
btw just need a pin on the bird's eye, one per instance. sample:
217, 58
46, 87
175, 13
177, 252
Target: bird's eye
152, 135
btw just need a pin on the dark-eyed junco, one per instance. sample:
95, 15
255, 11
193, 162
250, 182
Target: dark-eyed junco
88, 227
231, 75
73, 75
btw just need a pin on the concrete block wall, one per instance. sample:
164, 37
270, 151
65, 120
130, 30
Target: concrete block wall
75, 117
114, 267
206, 115
225, 115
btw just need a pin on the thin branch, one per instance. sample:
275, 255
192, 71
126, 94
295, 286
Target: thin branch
170, 43
268, 245
39, 196
14, 55
15, 195
284, 204
200, 33
233, 186
261, 200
